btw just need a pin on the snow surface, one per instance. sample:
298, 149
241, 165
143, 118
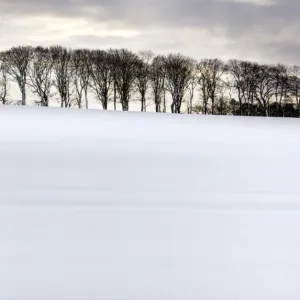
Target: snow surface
113, 205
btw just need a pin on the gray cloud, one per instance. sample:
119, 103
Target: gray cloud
257, 29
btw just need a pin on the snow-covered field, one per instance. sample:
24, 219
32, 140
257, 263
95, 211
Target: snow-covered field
112, 205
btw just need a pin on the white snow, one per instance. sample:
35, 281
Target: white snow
113, 205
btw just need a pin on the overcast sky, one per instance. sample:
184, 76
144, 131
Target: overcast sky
262, 30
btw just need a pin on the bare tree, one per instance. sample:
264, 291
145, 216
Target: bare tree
124, 68
18, 60
264, 87
85, 74
157, 81
240, 72
280, 86
203, 81
101, 75
179, 70
191, 88
76, 64
294, 85
63, 75
40, 74
211, 80
143, 75
81, 68
3, 81
114, 84
250, 88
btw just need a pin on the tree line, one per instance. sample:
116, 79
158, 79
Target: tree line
120, 76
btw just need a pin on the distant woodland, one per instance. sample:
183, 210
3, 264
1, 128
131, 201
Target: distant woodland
173, 82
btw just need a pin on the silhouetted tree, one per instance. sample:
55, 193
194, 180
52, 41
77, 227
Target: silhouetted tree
3, 81
179, 72
157, 81
264, 87
63, 75
40, 74
191, 87
294, 85
143, 76
280, 87
102, 75
17, 60
124, 66
81, 68
210, 80
241, 80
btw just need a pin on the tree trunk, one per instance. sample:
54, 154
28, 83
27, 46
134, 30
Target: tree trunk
115, 97
173, 107
157, 107
178, 105
86, 98
23, 95
205, 107
266, 110
190, 109
143, 103
125, 105
104, 103
45, 101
